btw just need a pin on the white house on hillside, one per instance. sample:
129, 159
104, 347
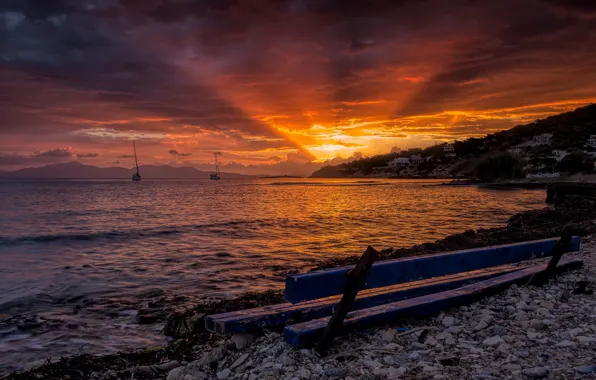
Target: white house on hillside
400, 161
416, 159
449, 148
592, 141
514, 151
543, 139
559, 154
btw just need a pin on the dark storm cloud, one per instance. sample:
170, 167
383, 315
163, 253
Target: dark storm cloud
87, 155
36, 158
58, 152
101, 71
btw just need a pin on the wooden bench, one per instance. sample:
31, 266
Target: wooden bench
405, 287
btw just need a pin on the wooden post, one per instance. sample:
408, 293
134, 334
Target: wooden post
551, 268
356, 278
560, 248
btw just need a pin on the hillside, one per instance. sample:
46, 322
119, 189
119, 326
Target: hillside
77, 170
570, 132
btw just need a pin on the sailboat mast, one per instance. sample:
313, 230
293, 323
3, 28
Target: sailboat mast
136, 161
216, 164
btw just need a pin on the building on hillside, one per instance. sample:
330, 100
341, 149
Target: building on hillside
543, 175
514, 151
592, 141
449, 150
398, 162
559, 154
543, 139
416, 159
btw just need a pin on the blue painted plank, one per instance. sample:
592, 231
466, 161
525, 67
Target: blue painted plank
330, 282
307, 333
285, 313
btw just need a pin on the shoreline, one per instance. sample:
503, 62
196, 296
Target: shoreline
192, 341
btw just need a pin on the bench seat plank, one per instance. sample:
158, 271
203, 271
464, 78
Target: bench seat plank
307, 333
285, 313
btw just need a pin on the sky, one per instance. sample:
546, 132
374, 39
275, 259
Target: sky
279, 86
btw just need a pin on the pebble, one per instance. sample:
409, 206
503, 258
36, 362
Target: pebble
493, 341
241, 341
535, 372
239, 361
388, 335
223, 374
448, 321
585, 339
565, 343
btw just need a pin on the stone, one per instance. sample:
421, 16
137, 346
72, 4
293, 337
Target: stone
392, 347
223, 374
336, 372
287, 360
388, 335
238, 362
564, 296
303, 373
450, 341
522, 354
504, 348
414, 356
533, 335
429, 369
535, 372
453, 330
565, 343
536, 324
448, 321
480, 326
493, 341
498, 330
586, 369
585, 339
185, 373
393, 372
241, 341
431, 341
388, 360
511, 367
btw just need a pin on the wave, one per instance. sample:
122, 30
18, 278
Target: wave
129, 234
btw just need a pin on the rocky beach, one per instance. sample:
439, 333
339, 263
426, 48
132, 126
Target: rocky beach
525, 332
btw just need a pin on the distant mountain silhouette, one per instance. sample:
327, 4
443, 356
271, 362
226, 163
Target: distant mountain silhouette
77, 170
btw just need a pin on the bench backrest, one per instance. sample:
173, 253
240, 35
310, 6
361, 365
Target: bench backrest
330, 282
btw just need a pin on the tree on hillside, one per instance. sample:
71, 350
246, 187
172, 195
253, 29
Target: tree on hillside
502, 166
576, 162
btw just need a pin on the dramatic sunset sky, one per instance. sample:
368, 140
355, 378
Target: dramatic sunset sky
279, 86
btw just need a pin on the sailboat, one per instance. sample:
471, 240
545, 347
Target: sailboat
215, 176
136, 176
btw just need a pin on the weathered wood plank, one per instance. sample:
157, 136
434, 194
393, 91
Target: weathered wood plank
306, 333
330, 282
355, 279
286, 313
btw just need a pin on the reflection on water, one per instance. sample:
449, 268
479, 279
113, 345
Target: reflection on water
80, 257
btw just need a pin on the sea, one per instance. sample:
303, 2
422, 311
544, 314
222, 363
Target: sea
79, 258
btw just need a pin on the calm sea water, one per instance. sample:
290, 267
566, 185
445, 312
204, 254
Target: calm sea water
79, 258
